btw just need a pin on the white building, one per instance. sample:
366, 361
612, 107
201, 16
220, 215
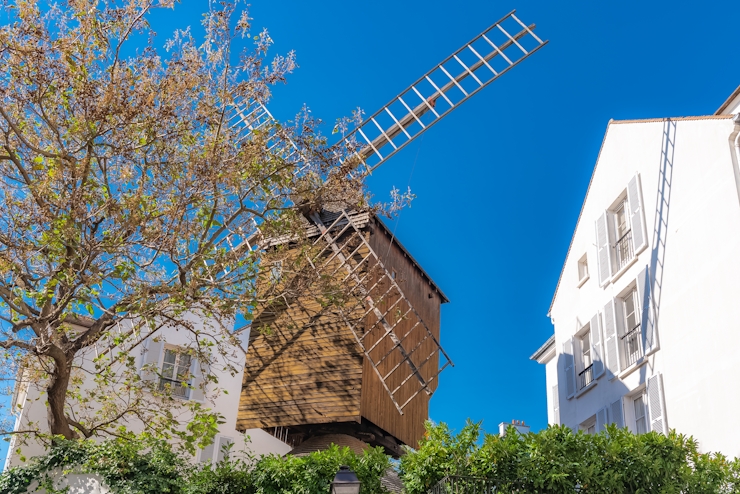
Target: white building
647, 308
29, 404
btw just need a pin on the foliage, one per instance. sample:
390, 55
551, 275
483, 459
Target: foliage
130, 202
126, 466
555, 460
148, 466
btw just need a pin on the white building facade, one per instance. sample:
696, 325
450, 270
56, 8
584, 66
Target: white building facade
163, 352
647, 308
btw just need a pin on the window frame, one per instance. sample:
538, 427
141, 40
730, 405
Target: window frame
634, 358
173, 381
583, 274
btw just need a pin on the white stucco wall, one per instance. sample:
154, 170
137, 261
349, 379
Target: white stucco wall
254, 441
692, 218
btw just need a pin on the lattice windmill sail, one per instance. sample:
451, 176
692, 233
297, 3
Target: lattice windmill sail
370, 369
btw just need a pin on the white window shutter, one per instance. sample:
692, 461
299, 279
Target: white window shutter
555, 405
151, 359
223, 445
616, 413
634, 197
611, 338
596, 349
206, 454
601, 419
197, 392
577, 357
656, 404
569, 368
647, 323
603, 247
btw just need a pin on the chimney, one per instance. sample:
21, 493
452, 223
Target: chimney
519, 425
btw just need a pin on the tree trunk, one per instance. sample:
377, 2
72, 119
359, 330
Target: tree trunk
57, 395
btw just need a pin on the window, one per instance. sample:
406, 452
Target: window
589, 426
631, 341
586, 376
582, 270
620, 233
624, 249
640, 414
176, 373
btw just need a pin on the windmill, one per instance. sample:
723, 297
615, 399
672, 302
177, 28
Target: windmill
368, 369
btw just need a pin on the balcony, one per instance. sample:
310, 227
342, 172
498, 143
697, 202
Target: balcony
632, 347
625, 250
586, 377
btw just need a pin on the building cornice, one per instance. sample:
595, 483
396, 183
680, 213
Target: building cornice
545, 352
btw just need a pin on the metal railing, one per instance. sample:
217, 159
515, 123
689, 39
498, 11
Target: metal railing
176, 387
632, 346
625, 249
586, 376
456, 484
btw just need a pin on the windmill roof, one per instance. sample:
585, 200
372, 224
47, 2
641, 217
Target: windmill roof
360, 219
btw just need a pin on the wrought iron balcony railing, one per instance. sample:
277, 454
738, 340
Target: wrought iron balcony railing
632, 346
625, 249
586, 376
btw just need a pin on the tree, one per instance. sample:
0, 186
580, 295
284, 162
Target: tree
556, 460
130, 198
145, 466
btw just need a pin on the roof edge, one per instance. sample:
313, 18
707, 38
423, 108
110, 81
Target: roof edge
676, 119
394, 239
550, 343
578, 221
727, 102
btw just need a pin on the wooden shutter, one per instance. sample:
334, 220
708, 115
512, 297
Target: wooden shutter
611, 338
206, 454
596, 349
569, 368
647, 322
603, 254
601, 419
223, 445
555, 405
616, 413
151, 359
634, 197
196, 393
656, 404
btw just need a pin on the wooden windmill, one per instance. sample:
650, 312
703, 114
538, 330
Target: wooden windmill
368, 368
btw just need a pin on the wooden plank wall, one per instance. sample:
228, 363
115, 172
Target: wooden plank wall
305, 369
377, 406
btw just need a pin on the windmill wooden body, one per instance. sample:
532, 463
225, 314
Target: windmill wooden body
368, 368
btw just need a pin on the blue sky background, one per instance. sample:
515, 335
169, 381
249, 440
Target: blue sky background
501, 180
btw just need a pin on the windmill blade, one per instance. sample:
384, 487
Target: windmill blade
478, 63
385, 342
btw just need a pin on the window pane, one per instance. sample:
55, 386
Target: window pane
168, 370
170, 356
183, 365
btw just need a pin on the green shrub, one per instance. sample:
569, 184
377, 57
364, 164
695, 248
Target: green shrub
555, 460
146, 466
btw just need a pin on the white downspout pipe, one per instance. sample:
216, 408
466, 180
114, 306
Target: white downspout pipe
736, 154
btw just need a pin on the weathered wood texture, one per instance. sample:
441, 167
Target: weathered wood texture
303, 366
377, 406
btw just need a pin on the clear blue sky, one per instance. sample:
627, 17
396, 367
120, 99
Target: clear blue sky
501, 180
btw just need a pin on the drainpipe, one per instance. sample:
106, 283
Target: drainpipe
735, 139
